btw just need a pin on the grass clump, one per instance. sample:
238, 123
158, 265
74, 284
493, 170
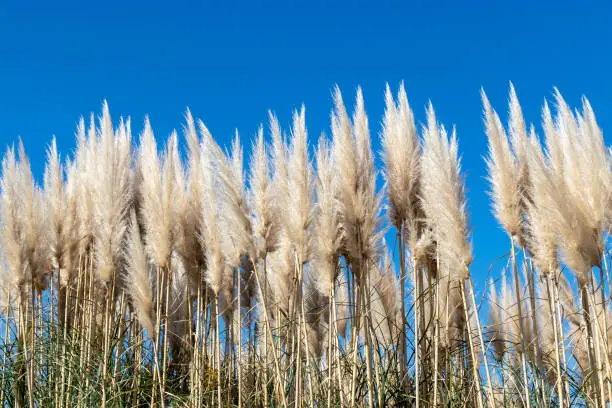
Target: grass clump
138, 277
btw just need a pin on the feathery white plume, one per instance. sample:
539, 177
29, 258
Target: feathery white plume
239, 239
111, 185
359, 203
189, 207
503, 173
328, 232
265, 219
518, 138
138, 277
156, 198
385, 299
300, 202
55, 203
401, 156
211, 213
443, 197
12, 228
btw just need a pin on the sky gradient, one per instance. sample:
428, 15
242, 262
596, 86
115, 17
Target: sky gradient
231, 64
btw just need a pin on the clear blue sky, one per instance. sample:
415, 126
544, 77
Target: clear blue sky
231, 64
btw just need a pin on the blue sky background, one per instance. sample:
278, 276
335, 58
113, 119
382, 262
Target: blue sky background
232, 63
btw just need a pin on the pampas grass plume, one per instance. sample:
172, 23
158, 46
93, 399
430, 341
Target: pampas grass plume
138, 277
443, 196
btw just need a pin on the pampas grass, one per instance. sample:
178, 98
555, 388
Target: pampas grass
162, 276
443, 197
401, 156
139, 277
504, 174
265, 219
327, 223
111, 188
